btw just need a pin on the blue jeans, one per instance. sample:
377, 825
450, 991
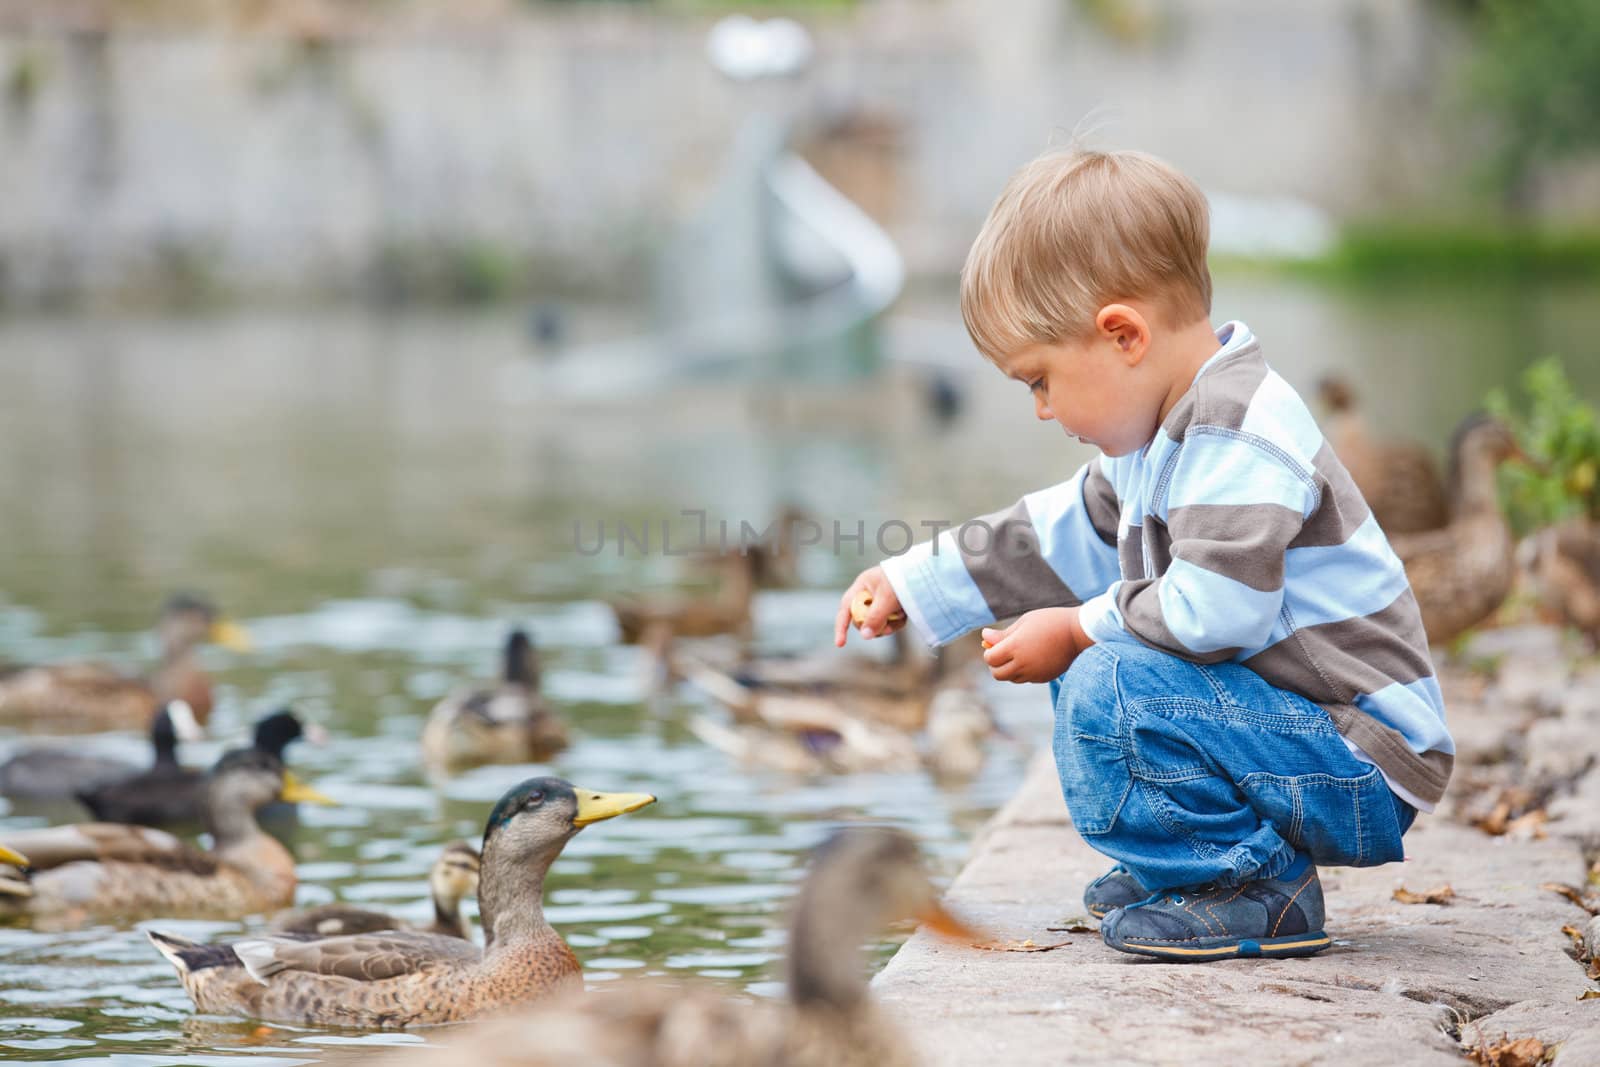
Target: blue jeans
1190, 774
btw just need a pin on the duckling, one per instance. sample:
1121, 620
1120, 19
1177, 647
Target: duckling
1462, 573
1399, 479
103, 870
92, 696
61, 774
643, 619
454, 875
960, 721
172, 795
1562, 563
860, 880
397, 979
511, 723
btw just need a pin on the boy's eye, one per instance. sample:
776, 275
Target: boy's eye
1035, 385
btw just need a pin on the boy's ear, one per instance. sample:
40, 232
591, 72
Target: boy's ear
1127, 331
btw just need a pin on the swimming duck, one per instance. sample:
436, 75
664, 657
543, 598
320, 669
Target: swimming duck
860, 880
454, 875
510, 723
1462, 573
1399, 479
400, 978
93, 696
726, 609
104, 869
1562, 563
172, 795
57, 773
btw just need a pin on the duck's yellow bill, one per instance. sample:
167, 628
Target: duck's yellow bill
297, 792
13, 857
941, 922
230, 635
593, 807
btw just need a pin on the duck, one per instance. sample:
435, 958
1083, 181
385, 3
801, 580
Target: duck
454, 876
860, 880
651, 619
509, 723
172, 795
1399, 479
56, 773
1462, 573
1562, 566
104, 870
401, 978
94, 696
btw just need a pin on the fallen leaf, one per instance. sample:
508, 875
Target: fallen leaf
1577, 938
1019, 946
1573, 894
1071, 928
1439, 895
1523, 1052
1589, 994
1495, 822
1593, 973
1529, 826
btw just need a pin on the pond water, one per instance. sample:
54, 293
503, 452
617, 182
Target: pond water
378, 497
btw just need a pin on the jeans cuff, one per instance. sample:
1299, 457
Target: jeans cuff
1260, 856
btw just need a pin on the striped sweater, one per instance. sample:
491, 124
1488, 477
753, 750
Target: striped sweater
1234, 535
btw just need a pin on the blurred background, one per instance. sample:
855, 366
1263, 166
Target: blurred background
353, 314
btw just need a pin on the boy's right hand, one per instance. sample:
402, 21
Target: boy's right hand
883, 615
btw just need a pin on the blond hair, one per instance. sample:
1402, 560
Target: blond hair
1075, 230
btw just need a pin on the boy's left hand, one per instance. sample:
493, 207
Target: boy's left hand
1037, 647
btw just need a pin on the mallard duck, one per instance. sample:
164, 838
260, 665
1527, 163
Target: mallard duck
57, 773
1399, 479
510, 723
172, 795
726, 609
93, 696
860, 880
1462, 573
454, 875
398, 978
1562, 563
105, 869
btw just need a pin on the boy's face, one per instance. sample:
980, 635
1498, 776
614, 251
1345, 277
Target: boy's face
1093, 389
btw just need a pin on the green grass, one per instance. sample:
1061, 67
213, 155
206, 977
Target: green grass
1455, 255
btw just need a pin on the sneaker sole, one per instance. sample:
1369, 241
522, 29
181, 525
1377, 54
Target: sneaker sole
1247, 948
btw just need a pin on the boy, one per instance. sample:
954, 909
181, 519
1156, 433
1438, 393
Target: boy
1241, 682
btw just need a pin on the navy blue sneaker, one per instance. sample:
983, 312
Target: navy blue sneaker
1273, 917
1112, 890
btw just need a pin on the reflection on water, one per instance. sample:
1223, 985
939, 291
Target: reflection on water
379, 498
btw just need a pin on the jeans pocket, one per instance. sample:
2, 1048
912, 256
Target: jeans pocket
1094, 781
1340, 822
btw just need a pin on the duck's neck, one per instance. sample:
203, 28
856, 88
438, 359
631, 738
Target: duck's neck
231, 825
1477, 488
824, 957
511, 900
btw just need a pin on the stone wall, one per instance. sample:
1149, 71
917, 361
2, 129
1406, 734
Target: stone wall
556, 145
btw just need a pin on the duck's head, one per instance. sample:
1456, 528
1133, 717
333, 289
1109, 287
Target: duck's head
245, 780
454, 874
188, 619
1481, 444
862, 879
1335, 394
536, 818
275, 732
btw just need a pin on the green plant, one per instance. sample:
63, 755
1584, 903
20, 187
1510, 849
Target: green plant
1560, 436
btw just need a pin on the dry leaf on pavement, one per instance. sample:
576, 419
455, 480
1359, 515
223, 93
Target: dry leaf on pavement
1019, 946
1439, 895
1574, 894
1523, 1052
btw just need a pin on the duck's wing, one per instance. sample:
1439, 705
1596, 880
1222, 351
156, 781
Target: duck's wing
57, 845
162, 797
359, 957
